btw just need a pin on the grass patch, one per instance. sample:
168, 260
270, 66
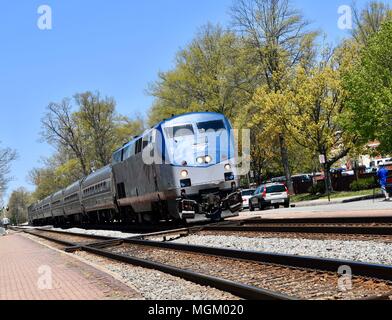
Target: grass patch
334, 195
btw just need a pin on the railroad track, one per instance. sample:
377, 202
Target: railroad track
345, 229
318, 220
312, 232
248, 275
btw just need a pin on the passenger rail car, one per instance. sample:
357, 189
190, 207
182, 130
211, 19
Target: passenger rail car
181, 169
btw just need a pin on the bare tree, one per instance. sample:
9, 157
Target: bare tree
98, 117
279, 38
62, 130
7, 155
369, 20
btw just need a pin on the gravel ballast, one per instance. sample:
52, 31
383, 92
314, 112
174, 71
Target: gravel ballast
101, 233
155, 285
363, 251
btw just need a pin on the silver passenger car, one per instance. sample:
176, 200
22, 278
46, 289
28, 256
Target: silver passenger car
57, 203
47, 209
72, 201
97, 191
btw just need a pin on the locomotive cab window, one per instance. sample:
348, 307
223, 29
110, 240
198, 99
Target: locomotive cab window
210, 126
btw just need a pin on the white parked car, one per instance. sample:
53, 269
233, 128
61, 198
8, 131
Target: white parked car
270, 195
246, 195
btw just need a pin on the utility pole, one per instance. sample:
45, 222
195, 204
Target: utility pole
323, 161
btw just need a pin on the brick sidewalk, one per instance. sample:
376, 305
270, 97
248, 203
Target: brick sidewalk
22, 260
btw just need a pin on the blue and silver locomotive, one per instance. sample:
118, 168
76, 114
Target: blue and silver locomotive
182, 169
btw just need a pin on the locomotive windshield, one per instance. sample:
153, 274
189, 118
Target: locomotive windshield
202, 143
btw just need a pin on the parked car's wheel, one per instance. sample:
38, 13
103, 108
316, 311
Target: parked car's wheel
276, 206
261, 206
251, 209
287, 205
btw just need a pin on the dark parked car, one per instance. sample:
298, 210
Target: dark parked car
270, 195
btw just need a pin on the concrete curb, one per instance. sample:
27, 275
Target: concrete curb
335, 201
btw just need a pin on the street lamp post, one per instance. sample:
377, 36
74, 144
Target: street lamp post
323, 161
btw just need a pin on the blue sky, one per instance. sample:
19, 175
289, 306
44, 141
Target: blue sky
116, 47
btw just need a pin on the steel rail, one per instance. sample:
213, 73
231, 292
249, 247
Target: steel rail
346, 230
367, 270
238, 289
58, 241
356, 220
372, 271
81, 235
382, 272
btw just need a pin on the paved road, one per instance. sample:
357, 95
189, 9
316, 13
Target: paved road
354, 209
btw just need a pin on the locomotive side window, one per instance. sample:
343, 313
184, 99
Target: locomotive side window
139, 144
127, 152
117, 156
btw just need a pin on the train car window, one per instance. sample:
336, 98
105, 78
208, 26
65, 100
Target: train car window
117, 156
128, 152
139, 144
211, 126
180, 131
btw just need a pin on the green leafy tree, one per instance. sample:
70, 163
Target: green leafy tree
369, 85
279, 40
213, 73
18, 204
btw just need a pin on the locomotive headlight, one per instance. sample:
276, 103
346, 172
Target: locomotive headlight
227, 167
184, 173
200, 160
208, 159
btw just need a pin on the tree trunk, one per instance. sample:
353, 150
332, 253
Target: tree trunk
285, 162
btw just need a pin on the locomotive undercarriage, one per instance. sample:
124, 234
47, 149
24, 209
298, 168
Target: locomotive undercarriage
213, 204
